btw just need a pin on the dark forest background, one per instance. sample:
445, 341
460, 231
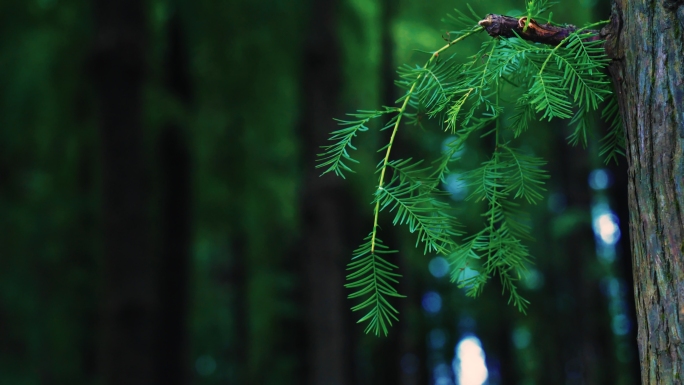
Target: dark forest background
161, 220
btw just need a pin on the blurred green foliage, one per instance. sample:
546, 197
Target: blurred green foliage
248, 174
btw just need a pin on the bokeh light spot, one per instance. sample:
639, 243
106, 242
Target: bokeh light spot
521, 337
205, 365
599, 179
620, 324
606, 227
438, 267
432, 302
456, 186
533, 280
469, 363
452, 141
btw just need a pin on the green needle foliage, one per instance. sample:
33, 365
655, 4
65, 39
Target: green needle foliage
371, 277
567, 81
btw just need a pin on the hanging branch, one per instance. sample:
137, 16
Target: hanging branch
562, 78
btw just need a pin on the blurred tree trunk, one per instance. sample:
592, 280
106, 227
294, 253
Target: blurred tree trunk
174, 266
388, 353
582, 326
618, 192
327, 208
119, 67
645, 41
497, 339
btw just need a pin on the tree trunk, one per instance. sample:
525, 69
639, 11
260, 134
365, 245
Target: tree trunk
645, 41
326, 208
128, 303
584, 330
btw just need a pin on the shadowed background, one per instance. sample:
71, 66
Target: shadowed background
161, 220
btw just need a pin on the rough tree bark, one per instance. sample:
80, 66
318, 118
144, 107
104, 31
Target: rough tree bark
645, 39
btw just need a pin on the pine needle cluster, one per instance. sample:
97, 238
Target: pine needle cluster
566, 81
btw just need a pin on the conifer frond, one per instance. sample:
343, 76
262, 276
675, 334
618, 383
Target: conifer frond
462, 21
523, 114
415, 205
538, 7
413, 173
524, 174
461, 257
535, 8
582, 67
499, 245
455, 109
500, 252
581, 122
467, 255
517, 58
549, 95
517, 220
441, 164
435, 85
336, 154
422, 212
613, 144
372, 278
508, 284
564, 81
505, 253
577, 72
480, 77
486, 180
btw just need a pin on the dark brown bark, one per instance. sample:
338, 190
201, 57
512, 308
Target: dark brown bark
128, 285
507, 26
645, 41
